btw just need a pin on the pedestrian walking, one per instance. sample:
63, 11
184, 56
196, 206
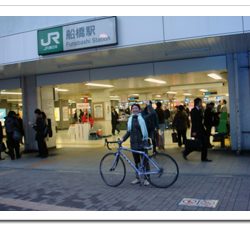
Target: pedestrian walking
181, 124
151, 119
198, 131
13, 134
114, 120
161, 119
40, 128
209, 118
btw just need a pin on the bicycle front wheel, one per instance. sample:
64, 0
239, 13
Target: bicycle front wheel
112, 169
168, 171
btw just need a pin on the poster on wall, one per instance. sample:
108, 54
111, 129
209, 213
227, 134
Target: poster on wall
65, 113
98, 110
57, 114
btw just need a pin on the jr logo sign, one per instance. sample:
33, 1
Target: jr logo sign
50, 41
54, 36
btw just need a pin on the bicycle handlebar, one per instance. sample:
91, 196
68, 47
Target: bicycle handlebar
119, 142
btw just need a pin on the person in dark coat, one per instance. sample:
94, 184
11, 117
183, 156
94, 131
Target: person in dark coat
12, 127
151, 119
209, 118
114, 120
20, 121
181, 124
39, 127
198, 130
137, 131
161, 119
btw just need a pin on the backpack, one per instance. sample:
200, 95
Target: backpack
48, 129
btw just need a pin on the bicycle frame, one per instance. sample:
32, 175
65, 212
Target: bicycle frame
139, 171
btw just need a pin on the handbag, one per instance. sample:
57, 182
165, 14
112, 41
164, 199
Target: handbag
17, 135
193, 145
174, 137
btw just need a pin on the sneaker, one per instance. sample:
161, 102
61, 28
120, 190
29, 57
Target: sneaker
136, 181
146, 183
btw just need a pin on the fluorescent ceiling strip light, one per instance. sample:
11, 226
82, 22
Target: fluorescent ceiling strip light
17, 99
214, 76
61, 90
155, 80
187, 94
197, 86
10, 93
99, 85
204, 90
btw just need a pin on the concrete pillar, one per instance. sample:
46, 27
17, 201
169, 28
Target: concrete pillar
30, 103
239, 93
102, 97
47, 105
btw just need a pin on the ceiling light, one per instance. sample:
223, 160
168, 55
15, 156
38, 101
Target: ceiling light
187, 94
171, 92
204, 90
17, 99
61, 90
197, 86
89, 98
99, 85
10, 93
155, 80
214, 76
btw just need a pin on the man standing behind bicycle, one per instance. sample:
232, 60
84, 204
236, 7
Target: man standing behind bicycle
137, 131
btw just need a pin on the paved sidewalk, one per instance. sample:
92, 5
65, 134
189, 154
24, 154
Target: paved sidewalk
69, 180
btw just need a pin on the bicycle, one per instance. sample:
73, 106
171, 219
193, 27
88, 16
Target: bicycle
162, 172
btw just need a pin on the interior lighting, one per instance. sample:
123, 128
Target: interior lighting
99, 85
10, 93
187, 94
214, 76
197, 86
203, 90
155, 80
61, 90
11, 100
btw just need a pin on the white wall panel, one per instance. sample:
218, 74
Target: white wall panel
246, 21
18, 48
189, 27
138, 30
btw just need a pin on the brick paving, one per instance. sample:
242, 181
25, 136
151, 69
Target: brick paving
69, 180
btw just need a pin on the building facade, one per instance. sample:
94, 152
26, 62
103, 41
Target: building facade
127, 47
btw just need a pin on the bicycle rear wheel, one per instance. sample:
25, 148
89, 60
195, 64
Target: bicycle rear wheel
168, 173
112, 169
